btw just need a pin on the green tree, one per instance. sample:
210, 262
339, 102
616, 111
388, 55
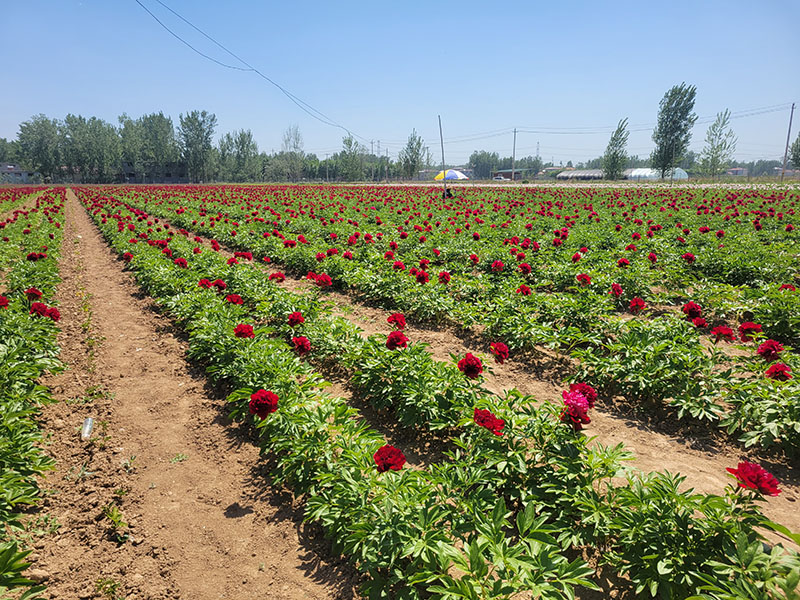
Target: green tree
292, 150
483, 163
720, 146
131, 145
159, 148
414, 155
615, 157
350, 164
9, 151
39, 145
195, 133
794, 152
674, 127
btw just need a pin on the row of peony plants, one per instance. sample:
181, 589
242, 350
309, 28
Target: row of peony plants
526, 467
31, 238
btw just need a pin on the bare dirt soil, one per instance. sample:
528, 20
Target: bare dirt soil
201, 520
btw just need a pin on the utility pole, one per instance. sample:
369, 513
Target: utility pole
513, 154
372, 146
379, 147
788, 135
326, 168
444, 173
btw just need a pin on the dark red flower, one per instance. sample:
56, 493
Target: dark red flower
699, 322
263, 403
575, 411
524, 268
623, 263
219, 284
127, 257
233, 261
788, 286
323, 280
770, 350
688, 257
243, 330
497, 266
38, 309
754, 477
204, 283
422, 277
747, 329
636, 305
53, 313
723, 332
474, 259
584, 279
500, 351
398, 320
524, 290
586, 390
471, 366
279, 277
295, 318
576, 257
197, 250
779, 372
652, 257
692, 310
398, 265
234, 299
33, 294
3, 302
444, 277
616, 290
302, 345
395, 340
486, 419
388, 458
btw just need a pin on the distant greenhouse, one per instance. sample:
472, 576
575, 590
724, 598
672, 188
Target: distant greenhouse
580, 174
652, 174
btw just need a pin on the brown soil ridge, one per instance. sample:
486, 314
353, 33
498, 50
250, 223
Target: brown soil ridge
203, 521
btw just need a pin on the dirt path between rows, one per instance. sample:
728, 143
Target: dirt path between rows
202, 521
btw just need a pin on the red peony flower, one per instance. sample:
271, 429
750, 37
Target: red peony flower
692, 310
747, 329
623, 263
233, 261
219, 284
295, 318
53, 313
723, 332
584, 279
197, 250
779, 372
398, 265
471, 366
323, 280
575, 411
616, 290
688, 257
388, 458
398, 320
486, 419
586, 390
263, 403
302, 345
127, 257
395, 340
279, 277
636, 305
422, 277
39, 309
699, 322
3, 302
497, 266
33, 294
524, 268
770, 350
234, 299
576, 257
500, 351
243, 330
204, 283
474, 259
754, 477
788, 286
652, 257
524, 290
444, 277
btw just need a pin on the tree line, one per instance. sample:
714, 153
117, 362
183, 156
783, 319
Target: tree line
152, 148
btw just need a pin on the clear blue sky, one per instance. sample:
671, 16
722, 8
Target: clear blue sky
383, 68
